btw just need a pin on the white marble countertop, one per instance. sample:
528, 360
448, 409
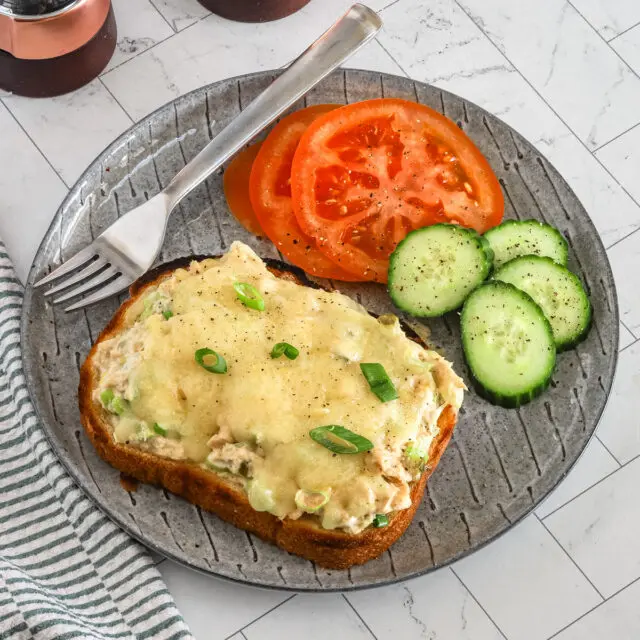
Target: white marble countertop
566, 74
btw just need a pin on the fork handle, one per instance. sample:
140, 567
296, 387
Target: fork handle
359, 25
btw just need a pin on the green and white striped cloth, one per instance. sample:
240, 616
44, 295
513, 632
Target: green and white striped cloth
66, 571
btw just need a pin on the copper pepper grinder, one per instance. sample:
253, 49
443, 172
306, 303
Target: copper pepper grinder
50, 47
254, 10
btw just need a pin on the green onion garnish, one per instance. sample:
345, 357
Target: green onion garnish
379, 381
285, 348
167, 314
380, 521
205, 358
340, 439
161, 431
249, 296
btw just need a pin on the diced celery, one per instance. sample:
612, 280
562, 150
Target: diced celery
260, 497
106, 398
118, 405
416, 454
144, 432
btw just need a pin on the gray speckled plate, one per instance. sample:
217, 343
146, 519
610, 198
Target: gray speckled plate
501, 463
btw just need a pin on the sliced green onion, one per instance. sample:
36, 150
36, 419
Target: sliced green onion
380, 521
167, 314
161, 431
106, 397
285, 348
340, 439
379, 382
249, 296
204, 359
311, 501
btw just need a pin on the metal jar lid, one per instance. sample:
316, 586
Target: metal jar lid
34, 8
49, 35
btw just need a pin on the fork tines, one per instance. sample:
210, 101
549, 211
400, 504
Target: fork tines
96, 272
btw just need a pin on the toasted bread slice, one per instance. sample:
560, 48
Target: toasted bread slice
334, 549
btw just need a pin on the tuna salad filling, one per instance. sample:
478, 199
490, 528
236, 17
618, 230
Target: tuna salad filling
297, 396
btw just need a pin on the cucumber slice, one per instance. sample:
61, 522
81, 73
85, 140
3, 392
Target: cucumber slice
515, 238
558, 292
508, 344
435, 268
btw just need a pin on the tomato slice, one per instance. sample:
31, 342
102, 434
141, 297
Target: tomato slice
270, 190
365, 175
235, 183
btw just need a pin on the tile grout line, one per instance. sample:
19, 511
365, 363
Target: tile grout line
566, 553
391, 56
595, 484
625, 326
367, 627
33, 142
604, 446
154, 45
376, 41
617, 242
176, 32
586, 613
478, 603
151, 2
626, 64
608, 142
266, 613
386, 6
133, 57
629, 345
554, 112
633, 26
116, 100
629, 330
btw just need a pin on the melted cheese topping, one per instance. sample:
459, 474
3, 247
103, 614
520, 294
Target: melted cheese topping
252, 423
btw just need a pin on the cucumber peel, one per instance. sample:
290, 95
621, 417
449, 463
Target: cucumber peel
508, 344
557, 291
433, 269
515, 238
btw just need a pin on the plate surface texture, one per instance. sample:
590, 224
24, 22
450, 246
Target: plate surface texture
501, 462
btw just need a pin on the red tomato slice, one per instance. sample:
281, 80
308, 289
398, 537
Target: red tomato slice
235, 182
270, 190
365, 175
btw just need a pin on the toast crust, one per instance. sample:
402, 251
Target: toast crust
332, 549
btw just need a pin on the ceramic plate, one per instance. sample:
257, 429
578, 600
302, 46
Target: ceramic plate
500, 464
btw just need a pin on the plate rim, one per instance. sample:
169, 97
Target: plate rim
30, 376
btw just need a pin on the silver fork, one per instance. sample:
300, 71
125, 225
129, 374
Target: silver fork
127, 249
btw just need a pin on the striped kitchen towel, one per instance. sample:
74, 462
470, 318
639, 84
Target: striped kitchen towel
66, 571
